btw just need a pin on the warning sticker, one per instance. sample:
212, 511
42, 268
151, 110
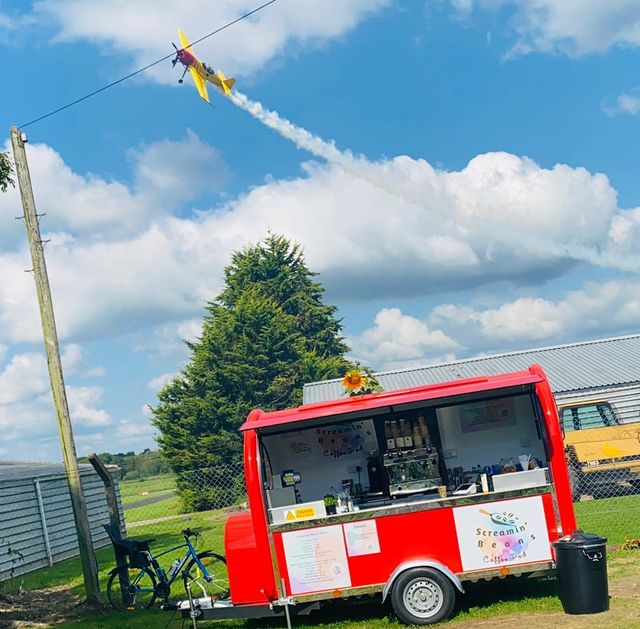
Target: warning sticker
303, 513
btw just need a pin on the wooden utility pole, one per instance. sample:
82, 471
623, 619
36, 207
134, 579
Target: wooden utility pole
87, 555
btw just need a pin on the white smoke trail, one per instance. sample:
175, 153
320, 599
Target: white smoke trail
360, 167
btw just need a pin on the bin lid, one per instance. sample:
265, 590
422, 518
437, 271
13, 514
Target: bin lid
580, 539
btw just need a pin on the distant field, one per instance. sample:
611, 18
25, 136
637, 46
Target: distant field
131, 490
148, 499
169, 505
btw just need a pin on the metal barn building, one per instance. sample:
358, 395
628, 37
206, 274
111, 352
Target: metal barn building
606, 368
36, 520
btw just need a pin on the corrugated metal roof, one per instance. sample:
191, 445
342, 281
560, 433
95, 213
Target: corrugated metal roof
19, 470
572, 367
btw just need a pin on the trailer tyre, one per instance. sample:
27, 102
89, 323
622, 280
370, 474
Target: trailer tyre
422, 596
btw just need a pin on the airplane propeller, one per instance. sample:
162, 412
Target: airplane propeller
175, 60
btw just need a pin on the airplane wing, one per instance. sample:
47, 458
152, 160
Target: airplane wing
186, 44
200, 84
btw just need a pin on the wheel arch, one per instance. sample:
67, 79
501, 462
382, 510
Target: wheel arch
420, 563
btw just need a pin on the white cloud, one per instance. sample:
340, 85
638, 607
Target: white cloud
166, 173
26, 376
597, 309
6, 23
145, 29
628, 103
83, 403
367, 239
168, 339
27, 417
499, 218
397, 340
625, 230
26, 425
155, 384
95, 372
137, 435
123, 436
451, 331
72, 356
462, 8
570, 27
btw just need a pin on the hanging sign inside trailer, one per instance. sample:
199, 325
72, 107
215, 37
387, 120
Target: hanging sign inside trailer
502, 533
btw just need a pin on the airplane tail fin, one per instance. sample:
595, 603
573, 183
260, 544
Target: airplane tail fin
226, 83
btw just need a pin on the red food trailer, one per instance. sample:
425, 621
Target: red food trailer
405, 495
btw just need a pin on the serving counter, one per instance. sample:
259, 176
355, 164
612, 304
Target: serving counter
412, 505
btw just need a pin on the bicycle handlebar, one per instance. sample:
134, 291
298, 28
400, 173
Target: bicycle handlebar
189, 533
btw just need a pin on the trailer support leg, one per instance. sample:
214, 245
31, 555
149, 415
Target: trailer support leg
192, 611
286, 605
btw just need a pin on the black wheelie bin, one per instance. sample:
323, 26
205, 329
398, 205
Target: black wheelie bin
581, 560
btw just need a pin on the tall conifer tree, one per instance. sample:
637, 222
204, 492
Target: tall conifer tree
264, 336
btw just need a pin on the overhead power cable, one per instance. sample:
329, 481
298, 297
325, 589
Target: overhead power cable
150, 65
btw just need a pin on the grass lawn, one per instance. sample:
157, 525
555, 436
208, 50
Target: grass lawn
534, 603
509, 599
615, 518
480, 602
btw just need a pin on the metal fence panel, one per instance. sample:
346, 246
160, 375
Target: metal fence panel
38, 527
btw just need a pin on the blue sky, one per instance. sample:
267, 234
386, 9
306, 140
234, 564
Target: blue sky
485, 199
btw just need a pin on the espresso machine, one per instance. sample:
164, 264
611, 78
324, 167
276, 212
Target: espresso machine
412, 472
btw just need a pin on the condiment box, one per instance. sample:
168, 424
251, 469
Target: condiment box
521, 480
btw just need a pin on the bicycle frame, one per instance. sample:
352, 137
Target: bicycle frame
163, 577
191, 553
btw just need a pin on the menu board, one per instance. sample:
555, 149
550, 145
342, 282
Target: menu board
486, 415
316, 559
502, 533
362, 538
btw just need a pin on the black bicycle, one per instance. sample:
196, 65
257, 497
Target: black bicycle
144, 580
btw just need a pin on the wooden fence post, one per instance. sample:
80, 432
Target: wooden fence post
114, 521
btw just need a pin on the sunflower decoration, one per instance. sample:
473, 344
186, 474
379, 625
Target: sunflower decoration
360, 381
353, 380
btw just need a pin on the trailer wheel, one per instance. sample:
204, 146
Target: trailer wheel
422, 596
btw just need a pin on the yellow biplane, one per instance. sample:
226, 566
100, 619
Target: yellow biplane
200, 71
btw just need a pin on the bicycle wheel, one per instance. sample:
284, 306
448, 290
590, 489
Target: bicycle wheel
140, 594
216, 567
